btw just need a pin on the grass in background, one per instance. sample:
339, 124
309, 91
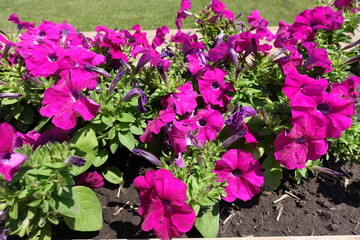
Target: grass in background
123, 14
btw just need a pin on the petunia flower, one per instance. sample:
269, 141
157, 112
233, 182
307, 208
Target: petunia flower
219, 8
339, 4
9, 160
318, 57
35, 139
260, 25
64, 101
296, 82
159, 38
178, 136
213, 88
20, 24
184, 100
348, 87
207, 123
293, 150
154, 126
322, 114
223, 50
310, 20
183, 12
163, 204
237, 124
242, 173
90, 179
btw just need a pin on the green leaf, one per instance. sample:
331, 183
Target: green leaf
207, 221
85, 144
14, 211
125, 117
43, 233
113, 174
101, 158
90, 218
127, 139
136, 130
68, 205
272, 173
108, 120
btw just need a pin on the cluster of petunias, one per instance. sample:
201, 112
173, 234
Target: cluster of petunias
319, 111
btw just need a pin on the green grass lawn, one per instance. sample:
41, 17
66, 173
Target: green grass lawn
87, 14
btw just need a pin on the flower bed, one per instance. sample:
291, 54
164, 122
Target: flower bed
217, 117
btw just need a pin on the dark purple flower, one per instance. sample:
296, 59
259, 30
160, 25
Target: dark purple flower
20, 25
148, 156
75, 160
142, 98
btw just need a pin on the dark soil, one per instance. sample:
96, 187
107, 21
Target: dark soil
316, 207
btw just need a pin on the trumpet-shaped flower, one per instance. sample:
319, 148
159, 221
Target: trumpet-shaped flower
207, 123
9, 161
296, 82
318, 57
242, 172
293, 151
348, 87
64, 101
322, 114
183, 12
184, 101
213, 88
154, 126
163, 204
219, 8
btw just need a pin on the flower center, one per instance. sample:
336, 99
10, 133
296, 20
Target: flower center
52, 57
202, 122
42, 33
236, 173
215, 85
301, 140
323, 108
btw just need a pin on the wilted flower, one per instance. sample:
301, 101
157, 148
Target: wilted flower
75, 160
141, 100
148, 156
90, 179
242, 172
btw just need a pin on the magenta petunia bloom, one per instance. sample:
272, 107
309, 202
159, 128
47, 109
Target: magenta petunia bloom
20, 24
184, 100
213, 88
197, 61
223, 50
189, 43
260, 25
348, 87
159, 38
339, 4
219, 8
183, 12
177, 134
292, 61
318, 57
90, 179
64, 101
293, 151
284, 36
321, 115
247, 43
9, 161
41, 60
154, 126
242, 172
163, 204
35, 139
296, 82
207, 123
309, 21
